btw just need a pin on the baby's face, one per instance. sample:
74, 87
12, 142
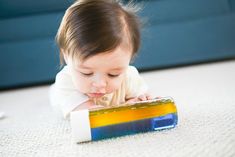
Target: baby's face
103, 73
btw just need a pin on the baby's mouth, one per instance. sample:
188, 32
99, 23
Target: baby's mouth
95, 95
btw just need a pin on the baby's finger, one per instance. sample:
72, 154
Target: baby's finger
149, 97
142, 97
132, 100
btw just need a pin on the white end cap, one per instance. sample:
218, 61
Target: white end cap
80, 124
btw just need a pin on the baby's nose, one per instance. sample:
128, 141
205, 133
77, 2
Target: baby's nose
99, 82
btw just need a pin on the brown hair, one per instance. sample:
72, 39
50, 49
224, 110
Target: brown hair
91, 27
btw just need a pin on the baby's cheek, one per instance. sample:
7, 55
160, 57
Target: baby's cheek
114, 85
82, 84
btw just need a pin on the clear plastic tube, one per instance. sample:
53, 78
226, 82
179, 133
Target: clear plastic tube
152, 115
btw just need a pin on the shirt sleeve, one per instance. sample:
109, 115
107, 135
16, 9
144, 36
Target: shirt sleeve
135, 84
64, 94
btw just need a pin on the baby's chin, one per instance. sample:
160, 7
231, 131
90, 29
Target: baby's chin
95, 95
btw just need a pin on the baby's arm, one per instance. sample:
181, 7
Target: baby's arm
142, 97
88, 105
136, 87
65, 96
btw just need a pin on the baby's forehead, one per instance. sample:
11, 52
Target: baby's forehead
96, 66
125, 46
103, 69
110, 68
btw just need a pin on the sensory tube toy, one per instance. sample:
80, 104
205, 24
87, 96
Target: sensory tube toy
108, 122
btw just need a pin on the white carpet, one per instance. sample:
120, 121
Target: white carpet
204, 94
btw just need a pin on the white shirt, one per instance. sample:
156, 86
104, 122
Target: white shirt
66, 97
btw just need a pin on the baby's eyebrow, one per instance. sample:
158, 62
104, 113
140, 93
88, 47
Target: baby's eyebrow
84, 67
118, 68
113, 69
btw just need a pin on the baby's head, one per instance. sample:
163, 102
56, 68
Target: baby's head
98, 39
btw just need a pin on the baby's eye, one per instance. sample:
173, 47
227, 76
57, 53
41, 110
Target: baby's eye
86, 74
113, 75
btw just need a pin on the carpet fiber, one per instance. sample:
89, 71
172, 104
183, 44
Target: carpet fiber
204, 95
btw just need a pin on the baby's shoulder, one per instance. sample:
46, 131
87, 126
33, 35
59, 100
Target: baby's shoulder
132, 75
131, 71
63, 76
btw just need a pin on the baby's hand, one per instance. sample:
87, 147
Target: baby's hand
88, 105
142, 97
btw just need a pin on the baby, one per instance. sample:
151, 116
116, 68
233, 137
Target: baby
97, 40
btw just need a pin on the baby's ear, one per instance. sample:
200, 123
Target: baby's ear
65, 57
62, 58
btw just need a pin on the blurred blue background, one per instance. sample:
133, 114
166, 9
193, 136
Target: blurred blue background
177, 33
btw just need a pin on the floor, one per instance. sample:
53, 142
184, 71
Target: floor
205, 99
